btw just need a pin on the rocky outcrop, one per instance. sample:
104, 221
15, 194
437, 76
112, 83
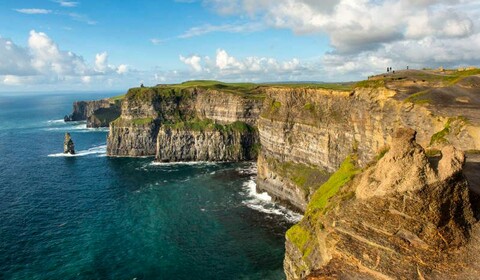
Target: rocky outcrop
147, 111
405, 217
320, 128
98, 113
68, 146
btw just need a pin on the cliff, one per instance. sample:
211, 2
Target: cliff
378, 204
201, 121
307, 132
97, 113
184, 142
407, 216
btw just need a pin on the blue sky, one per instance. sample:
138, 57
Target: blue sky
113, 45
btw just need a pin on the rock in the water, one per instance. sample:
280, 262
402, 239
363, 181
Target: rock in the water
68, 146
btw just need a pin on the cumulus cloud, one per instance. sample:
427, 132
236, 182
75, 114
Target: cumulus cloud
373, 28
122, 69
228, 67
42, 61
194, 61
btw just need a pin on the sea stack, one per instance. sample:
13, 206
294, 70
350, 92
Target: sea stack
68, 146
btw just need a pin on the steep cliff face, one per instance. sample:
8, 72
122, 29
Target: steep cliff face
319, 128
98, 113
405, 217
227, 108
236, 142
132, 138
186, 123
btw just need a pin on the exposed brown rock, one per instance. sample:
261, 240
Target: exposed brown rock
408, 220
321, 127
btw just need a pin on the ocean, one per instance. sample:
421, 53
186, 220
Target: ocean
93, 217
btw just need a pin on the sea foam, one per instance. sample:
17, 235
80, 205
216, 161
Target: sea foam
96, 150
262, 202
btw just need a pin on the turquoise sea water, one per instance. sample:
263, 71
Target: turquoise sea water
94, 217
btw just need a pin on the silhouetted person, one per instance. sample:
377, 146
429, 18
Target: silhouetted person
142, 85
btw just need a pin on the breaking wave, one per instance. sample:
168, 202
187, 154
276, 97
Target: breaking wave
97, 150
80, 126
262, 202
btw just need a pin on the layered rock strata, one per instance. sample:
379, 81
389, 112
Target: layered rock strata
319, 128
98, 113
405, 217
184, 124
174, 144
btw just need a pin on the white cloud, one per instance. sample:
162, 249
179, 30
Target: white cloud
48, 58
81, 18
227, 67
14, 60
364, 34
43, 62
122, 69
11, 80
156, 41
101, 62
86, 79
225, 62
193, 61
68, 4
226, 28
34, 11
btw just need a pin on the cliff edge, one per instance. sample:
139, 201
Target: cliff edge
404, 217
193, 121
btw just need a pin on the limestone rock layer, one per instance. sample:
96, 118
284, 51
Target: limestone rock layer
403, 218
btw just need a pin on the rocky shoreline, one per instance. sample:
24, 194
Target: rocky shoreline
389, 149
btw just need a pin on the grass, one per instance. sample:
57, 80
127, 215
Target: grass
338, 179
382, 153
142, 121
300, 237
309, 107
441, 136
276, 105
118, 97
149, 93
301, 234
416, 98
246, 90
330, 86
370, 83
457, 76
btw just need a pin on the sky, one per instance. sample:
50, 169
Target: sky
49, 45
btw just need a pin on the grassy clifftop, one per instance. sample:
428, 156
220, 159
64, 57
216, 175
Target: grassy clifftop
245, 90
